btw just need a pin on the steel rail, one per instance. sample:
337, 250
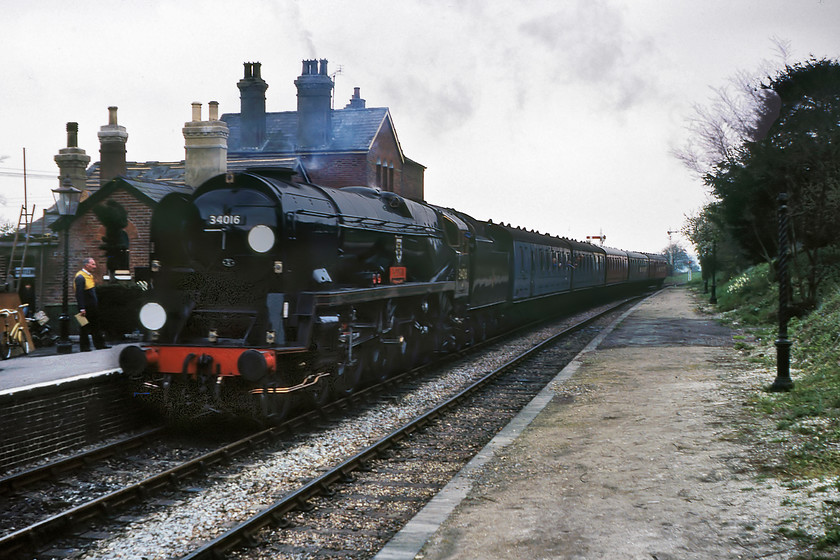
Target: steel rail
245, 532
36, 533
51, 470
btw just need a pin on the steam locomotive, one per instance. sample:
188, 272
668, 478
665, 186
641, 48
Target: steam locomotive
268, 292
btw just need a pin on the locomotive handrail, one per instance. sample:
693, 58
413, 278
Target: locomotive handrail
224, 310
383, 221
343, 220
355, 295
394, 226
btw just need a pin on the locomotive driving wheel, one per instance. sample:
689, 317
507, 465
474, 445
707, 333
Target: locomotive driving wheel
320, 393
379, 360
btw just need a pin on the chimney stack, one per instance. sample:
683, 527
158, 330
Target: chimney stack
314, 109
356, 102
205, 146
252, 108
112, 140
72, 161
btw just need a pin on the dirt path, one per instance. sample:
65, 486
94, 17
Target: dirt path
641, 454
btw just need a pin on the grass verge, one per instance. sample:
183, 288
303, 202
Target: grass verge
806, 419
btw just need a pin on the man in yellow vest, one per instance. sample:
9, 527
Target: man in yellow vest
85, 286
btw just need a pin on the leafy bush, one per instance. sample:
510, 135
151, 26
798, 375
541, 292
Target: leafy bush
752, 294
818, 335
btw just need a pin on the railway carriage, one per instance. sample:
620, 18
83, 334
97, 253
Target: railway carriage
639, 267
658, 268
587, 265
537, 265
617, 268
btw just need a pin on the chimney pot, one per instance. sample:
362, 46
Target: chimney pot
72, 135
214, 110
112, 115
196, 111
356, 102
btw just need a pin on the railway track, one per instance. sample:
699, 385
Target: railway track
93, 515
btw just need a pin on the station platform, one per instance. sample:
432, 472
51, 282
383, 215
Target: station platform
53, 403
45, 366
627, 454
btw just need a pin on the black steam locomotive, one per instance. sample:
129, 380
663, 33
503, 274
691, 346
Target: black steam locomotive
269, 292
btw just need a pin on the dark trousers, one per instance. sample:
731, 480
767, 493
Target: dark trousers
91, 331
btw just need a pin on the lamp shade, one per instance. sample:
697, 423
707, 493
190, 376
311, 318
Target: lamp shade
67, 197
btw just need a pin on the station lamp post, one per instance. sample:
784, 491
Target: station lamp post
783, 382
66, 200
713, 299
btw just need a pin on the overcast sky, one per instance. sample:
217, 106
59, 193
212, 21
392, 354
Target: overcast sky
555, 115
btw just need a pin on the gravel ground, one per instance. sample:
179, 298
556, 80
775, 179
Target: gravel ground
647, 452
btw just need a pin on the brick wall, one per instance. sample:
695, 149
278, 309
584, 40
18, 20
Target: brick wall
352, 169
337, 170
412, 181
86, 234
46, 421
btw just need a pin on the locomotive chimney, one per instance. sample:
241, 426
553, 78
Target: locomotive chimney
112, 140
72, 161
314, 112
252, 107
205, 145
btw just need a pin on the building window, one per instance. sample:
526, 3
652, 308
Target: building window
385, 176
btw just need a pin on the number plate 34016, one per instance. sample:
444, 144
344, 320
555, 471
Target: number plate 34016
225, 220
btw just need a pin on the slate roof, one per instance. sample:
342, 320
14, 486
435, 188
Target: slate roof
152, 190
353, 130
172, 172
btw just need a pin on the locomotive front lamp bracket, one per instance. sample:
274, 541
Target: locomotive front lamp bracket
398, 249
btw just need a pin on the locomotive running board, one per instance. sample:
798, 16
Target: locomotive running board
409, 289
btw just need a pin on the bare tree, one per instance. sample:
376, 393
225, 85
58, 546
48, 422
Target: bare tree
739, 112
